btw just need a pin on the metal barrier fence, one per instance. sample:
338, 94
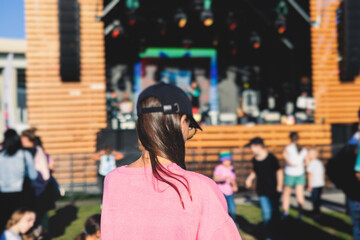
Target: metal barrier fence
78, 172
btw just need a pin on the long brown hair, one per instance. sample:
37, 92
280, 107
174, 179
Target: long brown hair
160, 134
16, 216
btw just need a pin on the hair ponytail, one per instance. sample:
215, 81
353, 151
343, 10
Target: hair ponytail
160, 134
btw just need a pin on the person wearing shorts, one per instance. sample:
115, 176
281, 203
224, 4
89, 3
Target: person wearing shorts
294, 156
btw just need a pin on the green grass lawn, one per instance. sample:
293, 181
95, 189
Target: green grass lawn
67, 222
332, 225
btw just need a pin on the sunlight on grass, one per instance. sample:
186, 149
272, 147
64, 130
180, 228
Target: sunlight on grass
77, 226
249, 216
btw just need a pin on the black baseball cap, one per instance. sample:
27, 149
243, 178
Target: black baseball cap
173, 99
257, 141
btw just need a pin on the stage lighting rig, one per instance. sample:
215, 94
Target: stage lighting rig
118, 30
132, 19
207, 16
115, 28
232, 21
162, 26
132, 4
233, 48
280, 24
255, 40
180, 18
187, 43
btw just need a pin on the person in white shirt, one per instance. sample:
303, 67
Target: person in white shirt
316, 180
294, 156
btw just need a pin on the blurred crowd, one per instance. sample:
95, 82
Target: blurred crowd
303, 171
27, 188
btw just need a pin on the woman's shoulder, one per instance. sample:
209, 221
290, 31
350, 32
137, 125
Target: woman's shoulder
118, 172
205, 187
202, 181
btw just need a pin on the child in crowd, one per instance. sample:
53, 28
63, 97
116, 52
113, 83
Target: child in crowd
92, 229
225, 177
316, 181
19, 223
107, 158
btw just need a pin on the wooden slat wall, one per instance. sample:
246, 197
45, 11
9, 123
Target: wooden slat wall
273, 135
336, 102
67, 115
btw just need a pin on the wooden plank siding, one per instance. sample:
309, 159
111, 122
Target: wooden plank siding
273, 135
336, 101
67, 115
202, 151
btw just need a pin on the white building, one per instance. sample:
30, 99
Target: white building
17, 88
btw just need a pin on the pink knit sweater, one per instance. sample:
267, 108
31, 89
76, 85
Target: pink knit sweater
137, 206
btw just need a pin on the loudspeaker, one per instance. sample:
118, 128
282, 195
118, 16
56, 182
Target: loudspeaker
69, 32
348, 28
121, 140
341, 133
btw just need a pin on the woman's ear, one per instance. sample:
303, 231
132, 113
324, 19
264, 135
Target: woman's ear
183, 120
184, 123
184, 126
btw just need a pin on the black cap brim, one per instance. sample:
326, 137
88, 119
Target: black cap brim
248, 145
194, 123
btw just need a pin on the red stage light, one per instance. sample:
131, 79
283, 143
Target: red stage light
256, 45
281, 29
115, 33
132, 22
233, 26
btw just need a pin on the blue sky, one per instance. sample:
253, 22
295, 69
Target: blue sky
12, 21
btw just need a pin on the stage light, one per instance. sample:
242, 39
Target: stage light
187, 43
142, 45
162, 26
115, 29
232, 21
207, 18
132, 19
280, 24
255, 40
215, 42
132, 4
180, 18
233, 48
118, 30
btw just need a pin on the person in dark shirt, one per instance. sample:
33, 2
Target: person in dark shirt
268, 176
